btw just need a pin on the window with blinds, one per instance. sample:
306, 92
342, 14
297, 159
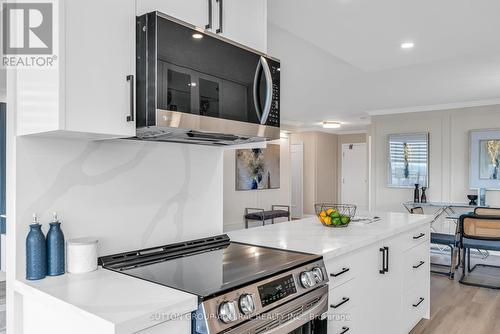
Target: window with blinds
408, 160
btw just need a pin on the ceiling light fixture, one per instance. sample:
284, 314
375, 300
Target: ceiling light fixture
331, 125
197, 36
407, 45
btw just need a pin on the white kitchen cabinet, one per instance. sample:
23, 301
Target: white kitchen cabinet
88, 93
195, 12
381, 302
387, 296
243, 21
179, 326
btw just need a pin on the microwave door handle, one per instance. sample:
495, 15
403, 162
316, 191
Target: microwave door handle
269, 91
256, 94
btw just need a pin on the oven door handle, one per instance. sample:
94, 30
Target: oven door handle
299, 321
263, 114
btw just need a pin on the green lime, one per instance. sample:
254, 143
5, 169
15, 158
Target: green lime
336, 221
335, 215
345, 220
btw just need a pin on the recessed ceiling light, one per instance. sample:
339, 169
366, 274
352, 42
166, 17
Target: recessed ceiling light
331, 125
197, 36
407, 45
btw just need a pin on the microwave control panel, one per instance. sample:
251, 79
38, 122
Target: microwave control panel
274, 114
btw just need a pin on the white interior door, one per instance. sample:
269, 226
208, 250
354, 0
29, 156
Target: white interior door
297, 161
354, 187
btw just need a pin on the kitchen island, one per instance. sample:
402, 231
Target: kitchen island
379, 272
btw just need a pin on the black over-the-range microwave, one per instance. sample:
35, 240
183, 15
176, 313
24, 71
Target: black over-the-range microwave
194, 86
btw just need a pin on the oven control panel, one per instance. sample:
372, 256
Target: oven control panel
276, 290
227, 310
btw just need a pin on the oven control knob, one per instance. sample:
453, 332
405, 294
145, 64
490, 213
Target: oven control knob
228, 312
307, 279
318, 274
247, 304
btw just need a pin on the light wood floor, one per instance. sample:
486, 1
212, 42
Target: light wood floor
461, 309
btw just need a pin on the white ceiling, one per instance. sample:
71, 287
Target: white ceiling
341, 59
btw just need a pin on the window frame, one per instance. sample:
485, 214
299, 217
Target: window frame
389, 183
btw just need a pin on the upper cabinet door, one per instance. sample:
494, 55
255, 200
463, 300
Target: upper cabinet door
100, 58
244, 21
195, 12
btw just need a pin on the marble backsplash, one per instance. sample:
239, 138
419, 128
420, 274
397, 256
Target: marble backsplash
129, 194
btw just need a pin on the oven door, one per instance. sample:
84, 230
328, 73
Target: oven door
304, 315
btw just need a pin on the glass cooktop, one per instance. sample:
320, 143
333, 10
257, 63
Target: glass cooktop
213, 272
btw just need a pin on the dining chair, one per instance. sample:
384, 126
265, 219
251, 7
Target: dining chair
478, 232
482, 211
486, 211
449, 240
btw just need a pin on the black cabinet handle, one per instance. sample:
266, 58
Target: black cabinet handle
419, 265
415, 237
344, 300
387, 259
344, 330
221, 13
210, 19
419, 302
130, 79
344, 270
382, 271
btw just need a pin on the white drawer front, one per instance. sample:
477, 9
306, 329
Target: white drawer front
415, 306
416, 265
181, 326
417, 236
343, 323
342, 297
342, 269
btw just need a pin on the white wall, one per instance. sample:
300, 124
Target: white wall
3, 84
128, 194
235, 202
449, 153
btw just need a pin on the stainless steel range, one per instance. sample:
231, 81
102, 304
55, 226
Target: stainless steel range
241, 288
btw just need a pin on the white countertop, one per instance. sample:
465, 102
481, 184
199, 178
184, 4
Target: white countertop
310, 236
128, 304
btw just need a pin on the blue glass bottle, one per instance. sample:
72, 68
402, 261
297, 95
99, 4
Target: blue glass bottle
55, 248
36, 252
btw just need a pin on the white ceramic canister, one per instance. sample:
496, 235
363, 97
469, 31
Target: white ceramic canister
81, 255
